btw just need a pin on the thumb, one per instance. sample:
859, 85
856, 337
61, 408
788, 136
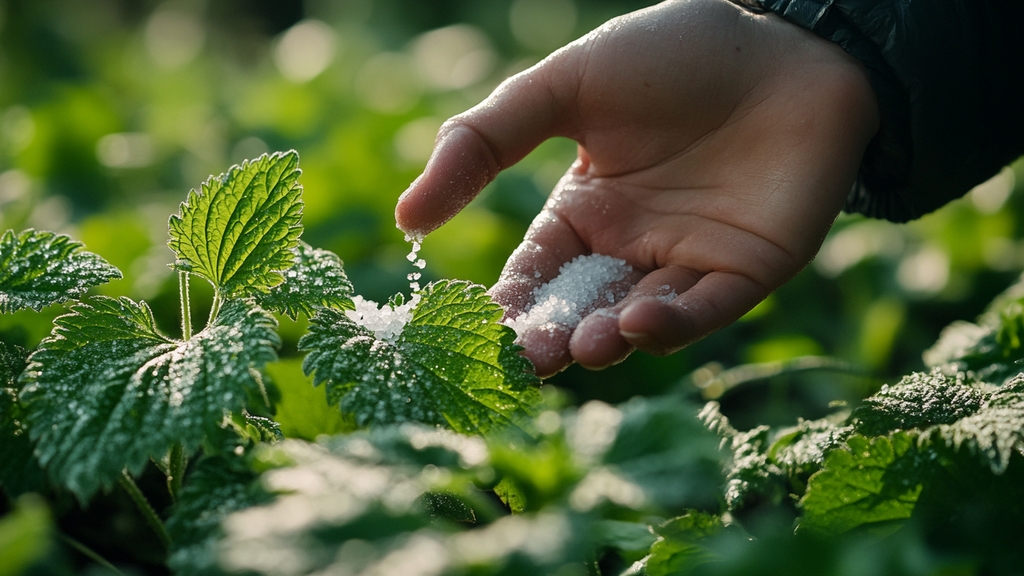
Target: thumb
473, 147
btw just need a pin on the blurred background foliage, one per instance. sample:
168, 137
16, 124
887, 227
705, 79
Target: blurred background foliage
111, 110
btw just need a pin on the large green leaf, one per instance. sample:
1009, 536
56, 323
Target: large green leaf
945, 410
19, 471
918, 401
315, 280
663, 448
447, 362
42, 268
872, 482
994, 432
107, 390
239, 230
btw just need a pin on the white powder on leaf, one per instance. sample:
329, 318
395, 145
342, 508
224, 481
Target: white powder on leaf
587, 282
385, 322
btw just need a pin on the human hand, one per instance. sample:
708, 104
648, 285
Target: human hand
716, 147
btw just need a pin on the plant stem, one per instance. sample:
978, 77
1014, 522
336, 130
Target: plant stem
129, 485
215, 307
90, 554
176, 473
186, 309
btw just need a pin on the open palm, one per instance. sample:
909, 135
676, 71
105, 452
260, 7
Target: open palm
716, 147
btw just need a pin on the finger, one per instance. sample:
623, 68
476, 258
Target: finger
716, 300
547, 347
473, 147
549, 243
598, 343
581, 287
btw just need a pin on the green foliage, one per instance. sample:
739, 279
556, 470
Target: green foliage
239, 230
218, 486
991, 349
19, 471
42, 268
662, 448
107, 390
995, 432
452, 363
399, 498
24, 536
871, 482
918, 401
681, 544
315, 280
386, 488
302, 411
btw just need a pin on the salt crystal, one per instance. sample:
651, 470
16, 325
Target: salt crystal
385, 322
417, 262
580, 285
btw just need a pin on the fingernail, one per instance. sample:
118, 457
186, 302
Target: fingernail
632, 335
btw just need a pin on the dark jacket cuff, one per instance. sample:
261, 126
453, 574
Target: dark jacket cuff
948, 76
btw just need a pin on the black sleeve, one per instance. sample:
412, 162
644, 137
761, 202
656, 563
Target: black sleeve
949, 78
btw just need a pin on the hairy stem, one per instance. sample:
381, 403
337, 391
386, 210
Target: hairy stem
129, 485
215, 307
186, 309
176, 469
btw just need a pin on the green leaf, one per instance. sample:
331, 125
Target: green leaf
800, 450
920, 400
994, 432
315, 280
239, 230
631, 539
218, 486
750, 474
873, 482
680, 546
991, 350
19, 471
42, 268
354, 506
107, 390
663, 448
446, 362
24, 536
511, 495
448, 504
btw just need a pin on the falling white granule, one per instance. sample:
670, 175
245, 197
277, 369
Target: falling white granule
385, 322
413, 278
586, 283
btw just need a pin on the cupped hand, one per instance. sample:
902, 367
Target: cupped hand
716, 147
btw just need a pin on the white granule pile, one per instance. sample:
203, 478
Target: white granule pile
385, 322
582, 285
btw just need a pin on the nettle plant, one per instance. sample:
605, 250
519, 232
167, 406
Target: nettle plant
455, 464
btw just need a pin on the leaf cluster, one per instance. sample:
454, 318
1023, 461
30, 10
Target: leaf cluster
446, 461
403, 498
109, 392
